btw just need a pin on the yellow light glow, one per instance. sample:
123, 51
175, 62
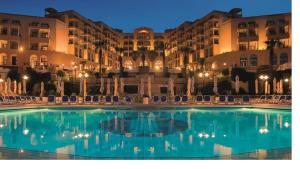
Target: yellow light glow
80, 75
286, 80
1, 80
86, 75
200, 74
21, 49
25, 131
206, 74
25, 77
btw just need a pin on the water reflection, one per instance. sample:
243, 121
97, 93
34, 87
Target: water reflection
146, 134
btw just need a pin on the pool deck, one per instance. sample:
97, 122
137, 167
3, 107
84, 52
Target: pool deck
147, 106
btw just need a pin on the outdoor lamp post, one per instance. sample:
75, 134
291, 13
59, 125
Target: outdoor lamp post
202, 76
286, 81
264, 79
25, 78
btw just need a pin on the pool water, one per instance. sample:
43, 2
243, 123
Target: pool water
146, 134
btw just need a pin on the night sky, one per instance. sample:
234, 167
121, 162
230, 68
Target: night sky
157, 14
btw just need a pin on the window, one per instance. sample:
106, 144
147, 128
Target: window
253, 60
34, 46
34, 33
16, 22
5, 20
44, 25
243, 46
283, 58
13, 45
14, 60
243, 61
216, 41
274, 59
14, 32
163, 90
3, 59
44, 35
4, 31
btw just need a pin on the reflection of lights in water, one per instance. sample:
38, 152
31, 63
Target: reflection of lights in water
200, 135
63, 135
25, 131
21, 151
86, 135
151, 149
206, 135
263, 130
224, 135
136, 149
1, 125
213, 135
42, 136
80, 135
203, 135
286, 124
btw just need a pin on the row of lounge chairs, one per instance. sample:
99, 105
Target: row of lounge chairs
275, 99
19, 100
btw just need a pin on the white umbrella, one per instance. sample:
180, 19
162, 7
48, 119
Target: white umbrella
142, 87
42, 89
215, 85
274, 85
256, 86
62, 88
81, 87
237, 84
24, 86
115, 86
193, 84
84, 87
101, 85
188, 87
15, 86
5, 87
8, 85
281, 86
122, 85
266, 87
19, 88
149, 86
108, 87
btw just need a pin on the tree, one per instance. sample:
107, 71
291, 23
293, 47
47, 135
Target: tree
60, 74
14, 75
160, 47
120, 51
152, 55
186, 51
100, 45
143, 51
270, 46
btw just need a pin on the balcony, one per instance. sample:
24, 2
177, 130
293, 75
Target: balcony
282, 35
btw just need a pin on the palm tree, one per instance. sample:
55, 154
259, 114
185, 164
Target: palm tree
152, 55
270, 46
161, 47
186, 51
120, 51
100, 45
143, 51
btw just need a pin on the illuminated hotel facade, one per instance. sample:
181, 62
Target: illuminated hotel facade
61, 40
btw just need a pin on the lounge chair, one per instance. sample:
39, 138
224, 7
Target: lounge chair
199, 99
12, 99
288, 99
207, 99
230, 99
88, 99
18, 99
108, 100
1, 100
65, 99
95, 99
51, 99
269, 99
116, 100
128, 100
156, 99
73, 99
35, 99
222, 99
246, 100
261, 99
281, 99
177, 99
185, 99
163, 99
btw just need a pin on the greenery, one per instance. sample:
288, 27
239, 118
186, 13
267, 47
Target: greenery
60, 73
14, 75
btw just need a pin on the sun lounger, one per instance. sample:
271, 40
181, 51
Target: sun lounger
73, 99
51, 99
207, 99
88, 99
246, 100
1, 100
116, 100
108, 100
35, 99
199, 99
184, 99
231, 99
156, 99
222, 99
177, 99
261, 99
280, 100
128, 100
288, 99
65, 99
163, 99
95, 99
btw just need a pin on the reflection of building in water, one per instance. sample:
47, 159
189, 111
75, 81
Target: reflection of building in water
222, 150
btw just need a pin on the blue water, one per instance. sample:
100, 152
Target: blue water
144, 134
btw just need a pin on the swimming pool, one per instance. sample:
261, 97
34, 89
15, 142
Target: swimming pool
167, 133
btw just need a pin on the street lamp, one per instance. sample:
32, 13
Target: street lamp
203, 76
25, 78
264, 78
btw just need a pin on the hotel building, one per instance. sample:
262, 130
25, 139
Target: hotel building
67, 40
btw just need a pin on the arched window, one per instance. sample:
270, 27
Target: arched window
33, 61
274, 59
284, 58
44, 60
253, 60
243, 61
